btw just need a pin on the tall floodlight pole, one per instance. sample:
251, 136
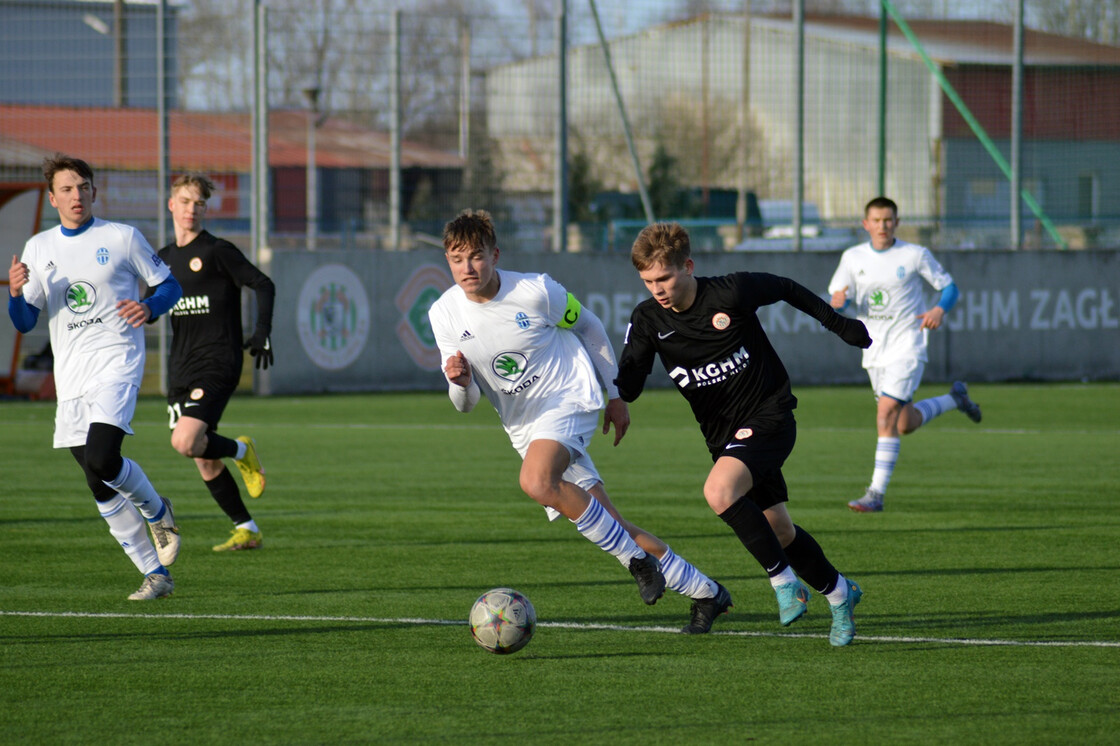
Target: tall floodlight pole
741, 215
799, 148
164, 168
881, 181
560, 177
1017, 131
311, 93
395, 136
259, 179
464, 87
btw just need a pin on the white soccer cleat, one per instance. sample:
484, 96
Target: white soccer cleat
154, 586
165, 535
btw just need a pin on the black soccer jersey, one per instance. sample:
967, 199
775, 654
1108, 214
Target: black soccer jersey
717, 352
206, 322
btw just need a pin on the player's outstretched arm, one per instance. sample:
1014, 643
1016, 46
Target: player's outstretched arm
805, 300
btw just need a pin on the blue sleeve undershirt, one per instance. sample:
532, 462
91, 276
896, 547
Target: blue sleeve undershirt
164, 296
23, 314
949, 297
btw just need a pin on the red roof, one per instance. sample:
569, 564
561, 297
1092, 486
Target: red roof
976, 42
126, 139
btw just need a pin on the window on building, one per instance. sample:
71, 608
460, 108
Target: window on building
1088, 196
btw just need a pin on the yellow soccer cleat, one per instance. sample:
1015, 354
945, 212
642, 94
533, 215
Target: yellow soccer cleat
240, 538
251, 470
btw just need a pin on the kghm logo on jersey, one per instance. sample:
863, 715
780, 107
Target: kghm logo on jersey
711, 373
103, 256
522, 320
192, 305
80, 297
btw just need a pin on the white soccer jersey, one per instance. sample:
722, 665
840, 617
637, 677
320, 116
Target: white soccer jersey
77, 281
885, 288
524, 362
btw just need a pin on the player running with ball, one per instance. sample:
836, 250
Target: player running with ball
536, 352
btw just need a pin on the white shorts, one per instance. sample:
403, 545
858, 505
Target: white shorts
573, 430
112, 404
898, 380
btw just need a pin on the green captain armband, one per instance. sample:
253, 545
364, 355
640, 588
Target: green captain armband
571, 313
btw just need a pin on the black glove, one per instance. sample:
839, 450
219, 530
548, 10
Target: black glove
260, 347
851, 331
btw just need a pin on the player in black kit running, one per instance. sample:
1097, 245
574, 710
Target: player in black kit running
207, 352
711, 343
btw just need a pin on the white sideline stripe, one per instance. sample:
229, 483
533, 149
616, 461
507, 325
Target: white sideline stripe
562, 625
649, 428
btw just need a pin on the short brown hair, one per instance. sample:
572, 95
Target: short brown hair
881, 202
189, 179
61, 162
661, 243
470, 230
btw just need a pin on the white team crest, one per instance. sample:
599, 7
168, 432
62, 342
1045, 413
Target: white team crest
721, 321
743, 433
195, 264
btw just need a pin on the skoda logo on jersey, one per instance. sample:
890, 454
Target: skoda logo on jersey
80, 297
509, 365
103, 256
878, 299
522, 320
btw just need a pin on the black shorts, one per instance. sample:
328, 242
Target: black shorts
763, 447
205, 401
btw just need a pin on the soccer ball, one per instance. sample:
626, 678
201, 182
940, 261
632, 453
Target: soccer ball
503, 621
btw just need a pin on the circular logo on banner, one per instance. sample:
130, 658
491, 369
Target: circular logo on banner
332, 316
422, 288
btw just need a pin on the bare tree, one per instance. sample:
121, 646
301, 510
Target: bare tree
214, 52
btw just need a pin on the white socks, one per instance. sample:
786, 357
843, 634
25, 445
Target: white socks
133, 484
935, 406
682, 577
785, 576
130, 531
599, 527
886, 456
840, 593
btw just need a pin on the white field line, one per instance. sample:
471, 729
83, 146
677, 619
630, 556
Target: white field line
405, 426
560, 625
